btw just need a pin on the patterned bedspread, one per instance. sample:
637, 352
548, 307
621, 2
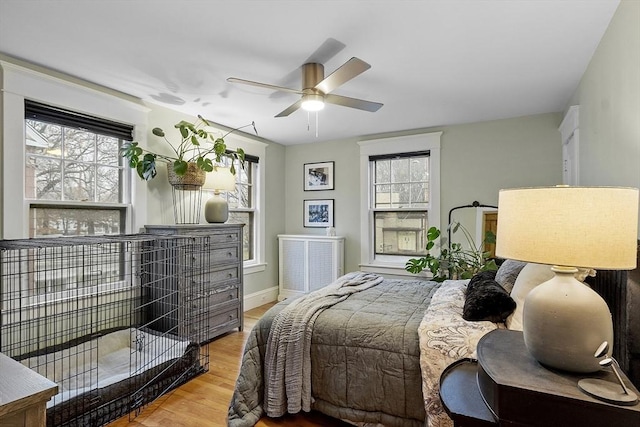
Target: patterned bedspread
444, 338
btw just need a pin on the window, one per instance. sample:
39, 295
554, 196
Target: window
400, 199
74, 174
400, 185
242, 204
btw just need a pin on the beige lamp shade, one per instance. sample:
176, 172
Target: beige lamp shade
592, 227
220, 179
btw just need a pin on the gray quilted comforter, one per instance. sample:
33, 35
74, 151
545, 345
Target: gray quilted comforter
365, 358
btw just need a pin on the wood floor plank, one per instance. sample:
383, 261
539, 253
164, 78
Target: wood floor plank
204, 400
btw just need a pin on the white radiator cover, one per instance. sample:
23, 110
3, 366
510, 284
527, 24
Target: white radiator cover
308, 263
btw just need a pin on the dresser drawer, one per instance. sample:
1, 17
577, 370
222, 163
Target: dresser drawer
225, 319
223, 275
224, 255
211, 260
207, 299
221, 238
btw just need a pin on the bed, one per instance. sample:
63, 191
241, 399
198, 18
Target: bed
102, 378
366, 353
377, 355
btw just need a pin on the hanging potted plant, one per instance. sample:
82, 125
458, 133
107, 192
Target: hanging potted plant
192, 157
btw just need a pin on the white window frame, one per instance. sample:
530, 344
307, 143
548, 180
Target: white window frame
404, 144
20, 83
258, 149
64, 203
254, 185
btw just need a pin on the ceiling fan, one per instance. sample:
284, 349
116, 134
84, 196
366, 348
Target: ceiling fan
316, 89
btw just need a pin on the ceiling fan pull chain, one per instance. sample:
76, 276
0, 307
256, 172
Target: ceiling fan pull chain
308, 122
317, 124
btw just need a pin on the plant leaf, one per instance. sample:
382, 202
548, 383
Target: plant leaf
180, 167
157, 132
433, 233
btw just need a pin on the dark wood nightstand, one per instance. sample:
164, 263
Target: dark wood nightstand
517, 391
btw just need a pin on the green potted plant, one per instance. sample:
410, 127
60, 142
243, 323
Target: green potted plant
456, 261
192, 157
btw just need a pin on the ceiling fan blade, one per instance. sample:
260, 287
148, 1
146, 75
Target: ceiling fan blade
343, 74
327, 50
263, 85
290, 109
360, 104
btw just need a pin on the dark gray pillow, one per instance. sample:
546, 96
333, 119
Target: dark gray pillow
485, 299
508, 272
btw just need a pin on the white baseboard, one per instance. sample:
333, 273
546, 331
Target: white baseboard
259, 298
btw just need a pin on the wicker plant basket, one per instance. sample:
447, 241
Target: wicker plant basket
192, 180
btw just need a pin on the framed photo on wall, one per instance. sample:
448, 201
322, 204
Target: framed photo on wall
318, 176
318, 213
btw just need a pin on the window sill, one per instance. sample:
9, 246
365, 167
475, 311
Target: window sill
387, 269
255, 268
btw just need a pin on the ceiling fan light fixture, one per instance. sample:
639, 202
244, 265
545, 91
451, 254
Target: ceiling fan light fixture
312, 102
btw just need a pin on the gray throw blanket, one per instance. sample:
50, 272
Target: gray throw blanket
288, 359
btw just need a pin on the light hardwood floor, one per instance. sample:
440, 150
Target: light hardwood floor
204, 400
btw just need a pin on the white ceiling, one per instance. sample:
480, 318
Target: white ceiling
433, 62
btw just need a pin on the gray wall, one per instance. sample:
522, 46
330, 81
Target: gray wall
609, 100
477, 160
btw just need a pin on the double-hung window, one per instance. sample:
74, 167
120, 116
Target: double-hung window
74, 175
400, 189
243, 202
400, 198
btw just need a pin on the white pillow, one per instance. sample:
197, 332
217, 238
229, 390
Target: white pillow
530, 276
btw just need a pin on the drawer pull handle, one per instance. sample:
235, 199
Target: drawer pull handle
230, 317
230, 296
229, 254
229, 236
230, 275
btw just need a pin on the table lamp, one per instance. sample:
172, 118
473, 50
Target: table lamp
564, 320
216, 210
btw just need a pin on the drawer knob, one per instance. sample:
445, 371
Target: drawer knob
229, 275
230, 317
229, 254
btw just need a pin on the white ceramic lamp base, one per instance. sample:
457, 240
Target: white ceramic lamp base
216, 210
565, 322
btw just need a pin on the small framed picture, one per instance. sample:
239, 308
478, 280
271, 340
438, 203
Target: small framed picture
318, 176
318, 213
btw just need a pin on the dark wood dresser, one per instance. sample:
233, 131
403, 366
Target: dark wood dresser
214, 283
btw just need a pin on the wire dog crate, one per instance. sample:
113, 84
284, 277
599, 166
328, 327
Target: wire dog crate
108, 319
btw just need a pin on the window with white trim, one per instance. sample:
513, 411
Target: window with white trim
242, 204
74, 184
74, 175
400, 199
